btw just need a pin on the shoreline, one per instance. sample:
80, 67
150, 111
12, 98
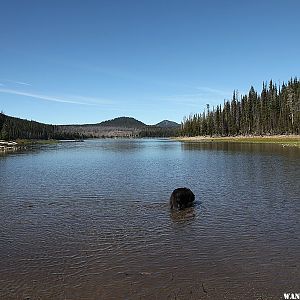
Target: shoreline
6, 146
284, 140
21, 144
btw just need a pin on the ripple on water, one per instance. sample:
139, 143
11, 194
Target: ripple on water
92, 221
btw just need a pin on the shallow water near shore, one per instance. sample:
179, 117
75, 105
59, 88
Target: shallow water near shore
91, 221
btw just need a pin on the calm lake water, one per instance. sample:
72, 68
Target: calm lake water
91, 221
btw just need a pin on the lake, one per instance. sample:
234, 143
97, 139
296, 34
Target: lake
91, 221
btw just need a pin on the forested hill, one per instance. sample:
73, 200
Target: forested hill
12, 128
121, 127
276, 110
167, 123
124, 122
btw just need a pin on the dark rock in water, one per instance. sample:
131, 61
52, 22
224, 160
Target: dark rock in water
182, 198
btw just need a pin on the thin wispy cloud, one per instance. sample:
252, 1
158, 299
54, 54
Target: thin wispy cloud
211, 90
80, 100
22, 83
205, 89
200, 98
191, 100
90, 100
16, 82
202, 91
181, 96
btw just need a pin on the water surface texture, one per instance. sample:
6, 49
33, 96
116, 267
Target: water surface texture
91, 221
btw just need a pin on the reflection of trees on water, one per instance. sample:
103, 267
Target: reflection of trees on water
240, 147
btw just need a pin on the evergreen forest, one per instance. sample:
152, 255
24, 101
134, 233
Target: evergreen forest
275, 111
12, 128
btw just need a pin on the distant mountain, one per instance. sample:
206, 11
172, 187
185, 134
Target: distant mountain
128, 122
12, 128
167, 123
123, 122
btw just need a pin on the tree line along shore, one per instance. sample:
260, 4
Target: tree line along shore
12, 129
272, 116
274, 111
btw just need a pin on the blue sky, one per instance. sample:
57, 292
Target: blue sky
72, 61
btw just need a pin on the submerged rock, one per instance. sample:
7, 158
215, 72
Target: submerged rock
182, 198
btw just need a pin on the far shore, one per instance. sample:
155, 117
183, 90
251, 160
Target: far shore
34, 142
284, 140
